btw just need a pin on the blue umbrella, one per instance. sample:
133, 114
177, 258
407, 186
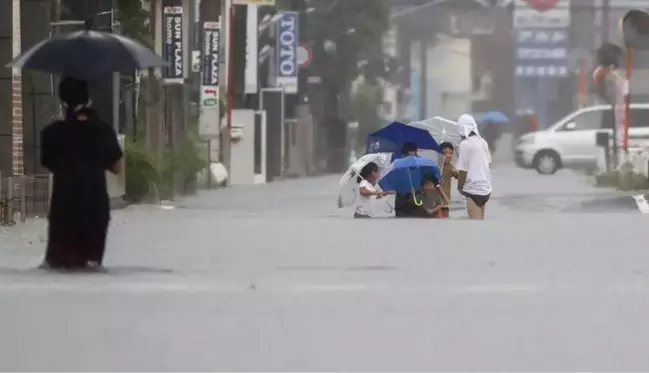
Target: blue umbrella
491, 116
408, 173
391, 138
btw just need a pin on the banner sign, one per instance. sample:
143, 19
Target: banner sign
541, 53
211, 42
209, 118
541, 13
286, 52
252, 50
541, 29
172, 48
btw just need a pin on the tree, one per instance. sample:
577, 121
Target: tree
343, 32
355, 26
365, 103
135, 21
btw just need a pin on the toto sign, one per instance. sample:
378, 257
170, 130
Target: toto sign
542, 5
287, 51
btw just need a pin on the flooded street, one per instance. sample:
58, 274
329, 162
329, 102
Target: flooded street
275, 277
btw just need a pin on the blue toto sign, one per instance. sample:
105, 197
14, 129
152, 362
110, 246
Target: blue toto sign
286, 53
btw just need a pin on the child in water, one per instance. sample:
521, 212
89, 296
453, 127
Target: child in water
448, 172
367, 189
432, 200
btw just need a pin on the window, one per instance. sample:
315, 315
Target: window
639, 118
591, 120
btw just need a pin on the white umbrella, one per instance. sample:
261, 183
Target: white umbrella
348, 188
442, 129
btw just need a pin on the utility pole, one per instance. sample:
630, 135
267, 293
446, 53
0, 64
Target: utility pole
210, 86
308, 129
228, 11
154, 117
606, 20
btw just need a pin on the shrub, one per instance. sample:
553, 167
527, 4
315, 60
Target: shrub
179, 168
625, 180
141, 171
607, 179
176, 171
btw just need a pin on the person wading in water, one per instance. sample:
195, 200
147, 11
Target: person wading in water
473, 165
78, 150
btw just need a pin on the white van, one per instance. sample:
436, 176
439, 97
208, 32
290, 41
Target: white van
571, 142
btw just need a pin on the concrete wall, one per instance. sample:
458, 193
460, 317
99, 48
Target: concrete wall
449, 78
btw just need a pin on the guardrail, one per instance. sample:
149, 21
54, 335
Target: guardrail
24, 196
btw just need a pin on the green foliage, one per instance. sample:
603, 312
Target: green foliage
135, 21
625, 180
364, 107
141, 172
181, 167
333, 18
145, 178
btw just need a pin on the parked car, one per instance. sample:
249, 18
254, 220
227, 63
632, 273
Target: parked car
571, 142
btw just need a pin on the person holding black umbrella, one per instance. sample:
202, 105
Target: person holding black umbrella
78, 150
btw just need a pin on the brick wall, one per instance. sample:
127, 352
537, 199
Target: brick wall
39, 104
17, 149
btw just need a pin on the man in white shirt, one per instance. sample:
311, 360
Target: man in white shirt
474, 181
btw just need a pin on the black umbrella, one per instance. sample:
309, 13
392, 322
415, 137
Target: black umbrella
87, 55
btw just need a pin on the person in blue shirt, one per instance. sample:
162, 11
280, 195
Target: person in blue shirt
408, 149
404, 205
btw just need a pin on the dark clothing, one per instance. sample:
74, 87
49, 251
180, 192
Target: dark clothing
71, 244
479, 200
404, 207
491, 134
78, 151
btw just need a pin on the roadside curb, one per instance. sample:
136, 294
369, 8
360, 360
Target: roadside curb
638, 202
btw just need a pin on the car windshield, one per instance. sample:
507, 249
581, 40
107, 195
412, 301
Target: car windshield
578, 117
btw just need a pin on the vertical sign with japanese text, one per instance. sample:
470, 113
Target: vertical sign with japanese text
209, 120
210, 54
172, 47
286, 52
541, 31
542, 52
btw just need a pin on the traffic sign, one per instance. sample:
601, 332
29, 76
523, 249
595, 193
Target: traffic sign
304, 55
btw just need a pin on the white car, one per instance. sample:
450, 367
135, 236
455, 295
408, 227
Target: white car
571, 142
